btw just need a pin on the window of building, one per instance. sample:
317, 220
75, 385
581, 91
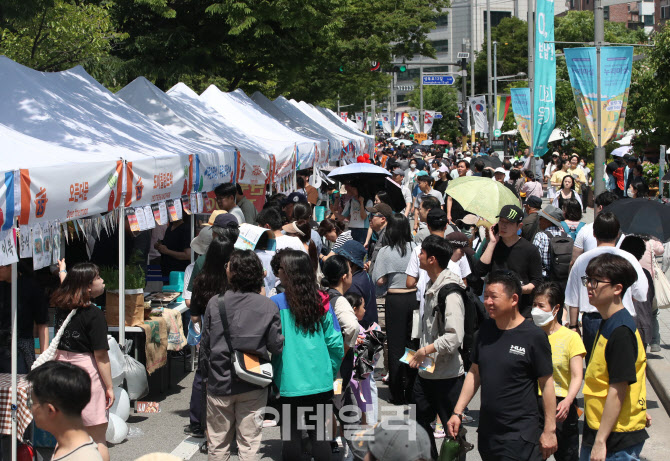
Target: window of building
648, 19
496, 17
442, 20
665, 12
606, 13
441, 46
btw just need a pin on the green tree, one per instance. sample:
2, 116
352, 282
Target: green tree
57, 35
442, 99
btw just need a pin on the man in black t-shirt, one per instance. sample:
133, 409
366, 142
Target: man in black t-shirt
507, 251
509, 358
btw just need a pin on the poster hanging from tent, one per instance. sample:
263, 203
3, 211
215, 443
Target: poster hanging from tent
8, 254
158, 179
478, 107
68, 191
502, 106
616, 63
544, 88
521, 108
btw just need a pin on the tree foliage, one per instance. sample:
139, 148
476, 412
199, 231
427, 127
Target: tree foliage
442, 99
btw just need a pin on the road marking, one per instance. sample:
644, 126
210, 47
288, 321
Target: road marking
187, 448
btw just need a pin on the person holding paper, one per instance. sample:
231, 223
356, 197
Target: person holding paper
441, 335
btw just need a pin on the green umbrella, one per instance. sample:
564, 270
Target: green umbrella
483, 197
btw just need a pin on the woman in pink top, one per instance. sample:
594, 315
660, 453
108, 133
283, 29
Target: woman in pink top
532, 187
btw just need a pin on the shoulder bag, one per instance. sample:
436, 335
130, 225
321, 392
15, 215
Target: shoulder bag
248, 367
50, 353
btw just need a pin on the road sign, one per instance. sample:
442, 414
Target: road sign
437, 116
462, 55
438, 79
497, 133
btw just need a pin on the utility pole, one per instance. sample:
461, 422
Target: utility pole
599, 151
488, 69
464, 89
421, 115
373, 126
531, 75
338, 105
473, 19
495, 86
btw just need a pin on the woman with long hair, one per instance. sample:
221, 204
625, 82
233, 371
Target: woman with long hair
249, 322
572, 222
302, 230
313, 349
548, 173
84, 343
391, 279
566, 192
211, 281
531, 186
559, 173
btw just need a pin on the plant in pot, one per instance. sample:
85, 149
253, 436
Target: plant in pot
133, 294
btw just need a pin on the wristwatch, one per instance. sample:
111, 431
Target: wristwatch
460, 415
573, 327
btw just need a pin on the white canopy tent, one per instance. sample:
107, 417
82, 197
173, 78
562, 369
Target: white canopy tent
238, 109
358, 144
182, 112
349, 123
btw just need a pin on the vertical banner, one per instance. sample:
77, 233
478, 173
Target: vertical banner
398, 121
386, 122
478, 106
414, 116
616, 63
521, 108
344, 116
544, 90
359, 121
428, 119
502, 106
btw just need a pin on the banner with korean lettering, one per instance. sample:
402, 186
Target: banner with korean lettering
158, 179
68, 191
544, 88
521, 109
616, 63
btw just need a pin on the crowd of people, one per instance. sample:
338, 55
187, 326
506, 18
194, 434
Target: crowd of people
517, 310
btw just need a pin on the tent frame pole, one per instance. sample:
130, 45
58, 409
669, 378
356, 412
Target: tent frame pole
14, 347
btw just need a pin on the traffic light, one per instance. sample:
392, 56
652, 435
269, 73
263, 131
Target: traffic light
400, 68
341, 69
462, 124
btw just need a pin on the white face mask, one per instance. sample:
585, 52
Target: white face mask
412, 165
541, 317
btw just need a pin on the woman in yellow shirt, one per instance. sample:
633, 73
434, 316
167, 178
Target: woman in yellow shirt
567, 355
560, 172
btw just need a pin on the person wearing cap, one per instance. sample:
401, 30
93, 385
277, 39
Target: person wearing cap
442, 179
425, 181
507, 251
549, 220
392, 440
290, 200
499, 175
427, 205
226, 196
398, 175
460, 243
530, 223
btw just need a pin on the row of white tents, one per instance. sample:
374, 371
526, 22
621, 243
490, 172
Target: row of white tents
71, 149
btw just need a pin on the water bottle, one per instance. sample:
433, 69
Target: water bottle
449, 450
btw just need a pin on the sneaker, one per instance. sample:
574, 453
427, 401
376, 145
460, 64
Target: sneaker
655, 348
385, 378
438, 431
192, 428
269, 423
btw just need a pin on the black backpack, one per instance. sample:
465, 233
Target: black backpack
474, 315
560, 255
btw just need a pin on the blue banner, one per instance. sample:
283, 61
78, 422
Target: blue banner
616, 63
544, 88
521, 109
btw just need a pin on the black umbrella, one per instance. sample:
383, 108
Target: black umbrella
642, 217
395, 194
489, 162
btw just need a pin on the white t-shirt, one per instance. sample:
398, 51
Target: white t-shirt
576, 294
435, 193
288, 241
237, 212
352, 210
413, 270
587, 242
270, 281
187, 278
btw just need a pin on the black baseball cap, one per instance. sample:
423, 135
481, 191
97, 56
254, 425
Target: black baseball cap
511, 213
534, 201
436, 219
